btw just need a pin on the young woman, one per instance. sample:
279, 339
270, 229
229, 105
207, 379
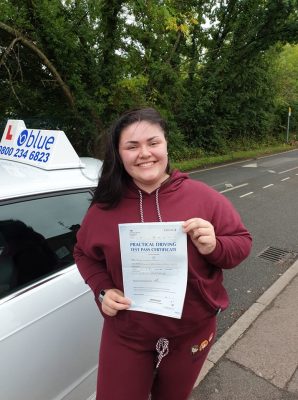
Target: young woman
143, 353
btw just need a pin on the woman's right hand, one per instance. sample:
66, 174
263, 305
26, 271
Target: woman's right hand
114, 301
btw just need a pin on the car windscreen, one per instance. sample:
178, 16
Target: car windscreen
37, 236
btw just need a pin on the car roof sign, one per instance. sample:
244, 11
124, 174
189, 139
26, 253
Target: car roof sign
46, 149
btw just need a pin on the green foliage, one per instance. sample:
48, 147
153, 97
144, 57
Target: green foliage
233, 92
76, 65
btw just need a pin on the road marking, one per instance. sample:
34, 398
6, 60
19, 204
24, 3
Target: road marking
285, 179
233, 188
253, 165
265, 187
287, 170
220, 184
246, 194
228, 164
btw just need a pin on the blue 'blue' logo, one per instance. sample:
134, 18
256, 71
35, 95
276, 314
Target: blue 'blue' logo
22, 137
35, 140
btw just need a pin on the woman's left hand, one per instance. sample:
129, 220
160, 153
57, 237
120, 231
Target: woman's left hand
201, 233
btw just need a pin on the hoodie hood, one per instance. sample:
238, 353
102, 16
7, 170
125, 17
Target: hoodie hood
170, 185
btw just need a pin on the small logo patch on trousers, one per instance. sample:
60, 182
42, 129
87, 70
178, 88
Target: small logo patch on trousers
200, 347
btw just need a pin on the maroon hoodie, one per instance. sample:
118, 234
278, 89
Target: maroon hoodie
97, 252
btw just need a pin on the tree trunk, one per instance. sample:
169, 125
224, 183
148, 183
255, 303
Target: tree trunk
28, 43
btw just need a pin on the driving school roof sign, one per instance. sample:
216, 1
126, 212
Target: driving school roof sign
44, 149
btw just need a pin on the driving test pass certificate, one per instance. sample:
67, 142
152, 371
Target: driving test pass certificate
154, 266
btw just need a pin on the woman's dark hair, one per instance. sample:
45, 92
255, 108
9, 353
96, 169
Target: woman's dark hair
113, 176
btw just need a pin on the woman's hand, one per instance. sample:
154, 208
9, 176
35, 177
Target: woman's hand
201, 233
114, 301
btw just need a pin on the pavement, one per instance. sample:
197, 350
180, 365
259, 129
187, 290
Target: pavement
257, 358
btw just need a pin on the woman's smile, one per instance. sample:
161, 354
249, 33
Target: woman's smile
146, 164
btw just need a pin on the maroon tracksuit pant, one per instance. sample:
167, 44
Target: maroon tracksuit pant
127, 366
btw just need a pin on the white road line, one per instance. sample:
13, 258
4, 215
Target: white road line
219, 184
246, 194
285, 179
283, 172
267, 186
253, 165
228, 164
233, 188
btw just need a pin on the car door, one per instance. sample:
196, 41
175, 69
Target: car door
50, 325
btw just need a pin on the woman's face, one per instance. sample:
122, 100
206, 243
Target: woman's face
143, 150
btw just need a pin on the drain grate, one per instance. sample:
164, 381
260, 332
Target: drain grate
275, 254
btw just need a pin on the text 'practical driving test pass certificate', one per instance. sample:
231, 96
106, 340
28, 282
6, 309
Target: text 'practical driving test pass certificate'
154, 266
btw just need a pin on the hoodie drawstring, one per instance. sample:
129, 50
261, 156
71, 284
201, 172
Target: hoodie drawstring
162, 348
156, 203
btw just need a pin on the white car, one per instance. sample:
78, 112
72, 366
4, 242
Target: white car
49, 323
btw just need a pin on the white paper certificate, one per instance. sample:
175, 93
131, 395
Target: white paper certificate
154, 266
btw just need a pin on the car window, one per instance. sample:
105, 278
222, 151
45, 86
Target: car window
37, 237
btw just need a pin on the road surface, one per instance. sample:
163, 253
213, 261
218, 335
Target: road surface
265, 192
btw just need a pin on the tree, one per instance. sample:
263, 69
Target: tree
234, 85
206, 65
58, 61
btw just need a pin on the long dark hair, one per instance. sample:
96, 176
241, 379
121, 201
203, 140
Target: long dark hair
113, 176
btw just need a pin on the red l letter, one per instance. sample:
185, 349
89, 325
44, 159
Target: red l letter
8, 135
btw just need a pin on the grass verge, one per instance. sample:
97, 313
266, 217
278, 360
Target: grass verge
207, 161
